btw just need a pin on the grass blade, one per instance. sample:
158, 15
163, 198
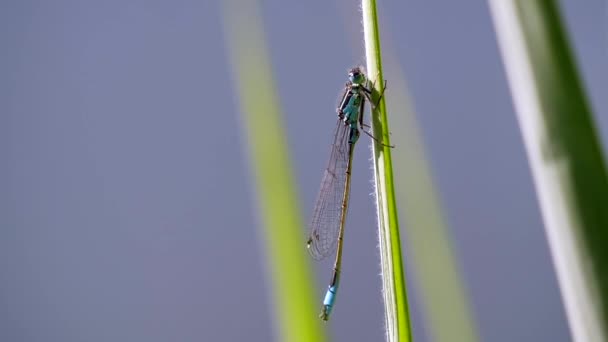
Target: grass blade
393, 276
446, 306
295, 306
564, 153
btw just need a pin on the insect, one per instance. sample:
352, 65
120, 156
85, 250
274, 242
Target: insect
329, 214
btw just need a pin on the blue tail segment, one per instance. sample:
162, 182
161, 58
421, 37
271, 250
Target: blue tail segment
328, 302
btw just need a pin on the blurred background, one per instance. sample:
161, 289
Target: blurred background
127, 208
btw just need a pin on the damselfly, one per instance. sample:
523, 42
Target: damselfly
329, 215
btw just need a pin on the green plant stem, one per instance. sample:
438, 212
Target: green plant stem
447, 309
393, 276
288, 267
565, 156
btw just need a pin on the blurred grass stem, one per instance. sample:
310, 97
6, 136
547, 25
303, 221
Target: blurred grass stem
564, 154
282, 236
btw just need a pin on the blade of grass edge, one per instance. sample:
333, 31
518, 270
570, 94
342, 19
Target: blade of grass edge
564, 153
291, 276
393, 276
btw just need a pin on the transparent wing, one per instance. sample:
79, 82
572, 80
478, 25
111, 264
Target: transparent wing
326, 216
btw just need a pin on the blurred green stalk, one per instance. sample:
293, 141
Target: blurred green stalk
295, 308
564, 153
445, 302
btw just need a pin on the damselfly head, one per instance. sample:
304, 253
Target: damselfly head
356, 76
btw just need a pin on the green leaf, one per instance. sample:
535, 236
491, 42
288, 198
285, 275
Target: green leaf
564, 153
393, 275
429, 245
295, 306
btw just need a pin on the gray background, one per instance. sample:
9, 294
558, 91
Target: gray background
126, 208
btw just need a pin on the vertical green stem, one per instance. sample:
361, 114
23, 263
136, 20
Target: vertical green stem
289, 271
564, 153
447, 308
393, 278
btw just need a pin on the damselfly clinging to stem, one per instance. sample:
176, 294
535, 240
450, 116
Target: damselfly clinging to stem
329, 215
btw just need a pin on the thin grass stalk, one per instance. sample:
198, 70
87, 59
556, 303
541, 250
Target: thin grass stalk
294, 303
393, 275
